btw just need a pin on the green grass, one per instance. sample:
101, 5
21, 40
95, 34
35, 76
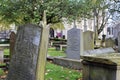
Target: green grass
55, 72
2, 64
1, 72
6, 52
53, 52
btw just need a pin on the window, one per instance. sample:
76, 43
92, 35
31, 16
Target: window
108, 31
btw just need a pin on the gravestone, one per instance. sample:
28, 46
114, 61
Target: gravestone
88, 39
109, 43
1, 55
98, 43
28, 62
74, 43
118, 41
12, 43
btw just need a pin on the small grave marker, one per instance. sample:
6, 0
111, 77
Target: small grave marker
109, 43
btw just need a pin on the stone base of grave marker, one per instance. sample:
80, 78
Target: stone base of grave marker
101, 67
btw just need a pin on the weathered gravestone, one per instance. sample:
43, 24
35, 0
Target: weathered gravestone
118, 41
74, 43
1, 55
109, 42
28, 62
88, 39
12, 43
98, 43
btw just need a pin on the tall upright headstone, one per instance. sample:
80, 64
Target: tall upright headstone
30, 53
88, 39
74, 43
12, 43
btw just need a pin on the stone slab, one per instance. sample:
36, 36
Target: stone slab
99, 51
110, 58
69, 63
98, 71
101, 65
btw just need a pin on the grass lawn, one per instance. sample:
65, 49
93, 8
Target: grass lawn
53, 52
6, 52
1, 72
55, 72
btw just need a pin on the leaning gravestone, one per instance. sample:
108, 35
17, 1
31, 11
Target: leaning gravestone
28, 62
74, 43
88, 39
